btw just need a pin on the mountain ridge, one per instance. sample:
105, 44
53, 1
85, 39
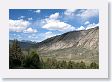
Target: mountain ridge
76, 46
70, 38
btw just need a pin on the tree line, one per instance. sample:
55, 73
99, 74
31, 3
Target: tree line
18, 60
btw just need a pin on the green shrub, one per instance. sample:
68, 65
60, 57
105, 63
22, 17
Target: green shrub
32, 61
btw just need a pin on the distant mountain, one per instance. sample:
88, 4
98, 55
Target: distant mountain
74, 45
24, 44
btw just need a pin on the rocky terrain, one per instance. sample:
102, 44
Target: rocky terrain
75, 45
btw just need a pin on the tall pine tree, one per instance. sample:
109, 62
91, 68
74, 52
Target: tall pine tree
15, 55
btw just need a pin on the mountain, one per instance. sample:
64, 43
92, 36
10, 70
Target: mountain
24, 44
75, 45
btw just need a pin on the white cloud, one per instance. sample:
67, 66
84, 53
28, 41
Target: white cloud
69, 12
30, 30
92, 26
86, 23
30, 19
57, 25
87, 13
33, 34
49, 34
52, 23
33, 37
81, 14
18, 25
20, 37
81, 28
21, 17
37, 11
89, 26
54, 16
29, 36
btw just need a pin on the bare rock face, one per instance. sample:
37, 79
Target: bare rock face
74, 45
86, 38
91, 40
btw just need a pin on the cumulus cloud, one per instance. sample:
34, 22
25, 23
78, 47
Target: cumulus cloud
89, 26
69, 12
42, 36
29, 36
92, 26
87, 13
81, 14
58, 25
53, 23
33, 37
30, 30
54, 16
81, 28
48, 34
86, 23
30, 19
21, 17
37, 11
18, 25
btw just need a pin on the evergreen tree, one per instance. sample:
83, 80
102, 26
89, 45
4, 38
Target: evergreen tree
93, 65
82, 65
15, 55
32, 61
64, 64
70, 65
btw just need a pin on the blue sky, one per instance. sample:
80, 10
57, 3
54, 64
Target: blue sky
40, 24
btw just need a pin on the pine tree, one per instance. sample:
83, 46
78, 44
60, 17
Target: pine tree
32, 61
93, 65
70, 65
64, 64
82, 65
15, 55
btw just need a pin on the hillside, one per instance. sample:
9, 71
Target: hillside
74, 45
